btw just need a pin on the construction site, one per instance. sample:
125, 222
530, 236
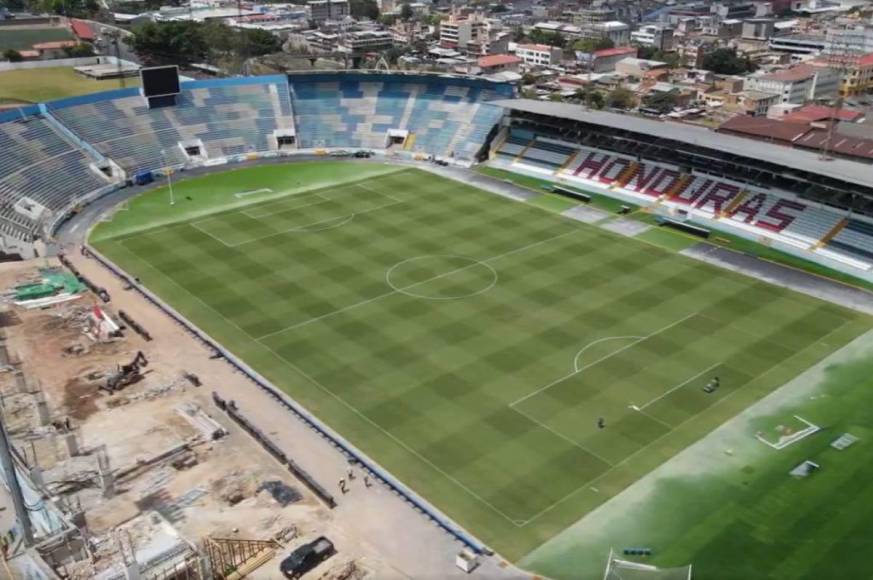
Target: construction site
133, 460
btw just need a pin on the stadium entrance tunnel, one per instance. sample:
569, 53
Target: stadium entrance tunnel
441, 277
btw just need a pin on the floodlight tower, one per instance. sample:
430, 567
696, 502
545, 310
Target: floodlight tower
843, 54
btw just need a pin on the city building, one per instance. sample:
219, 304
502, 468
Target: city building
640, 67
659, 36
797, 43
616, 31
604, 61
758, 28
458, 31
539, 54
499, 63
799, 84
858, 40
856, 73
321, 10
366, 41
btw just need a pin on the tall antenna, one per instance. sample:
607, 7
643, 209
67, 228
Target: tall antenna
843, 55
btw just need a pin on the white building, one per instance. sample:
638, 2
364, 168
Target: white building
797, 85
457, 32
366, 41
321, 10
539, 54
655, 35
857, 40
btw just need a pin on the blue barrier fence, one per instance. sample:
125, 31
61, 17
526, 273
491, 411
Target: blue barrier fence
301, 413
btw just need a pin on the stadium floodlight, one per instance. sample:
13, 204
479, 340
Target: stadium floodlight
169, 170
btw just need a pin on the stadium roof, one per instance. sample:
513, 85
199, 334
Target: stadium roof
851, 171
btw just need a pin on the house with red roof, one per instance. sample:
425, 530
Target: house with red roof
496, 63
82, 30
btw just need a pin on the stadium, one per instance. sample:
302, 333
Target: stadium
512, 313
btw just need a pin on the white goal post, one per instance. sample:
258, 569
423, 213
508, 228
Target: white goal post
617, 569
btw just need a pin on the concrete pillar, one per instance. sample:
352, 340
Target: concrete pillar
20, 382
107, 479
72, 443
42, 411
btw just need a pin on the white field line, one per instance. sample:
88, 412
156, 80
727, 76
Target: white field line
601, 359
308, 227
266, 212
562, 436
210, 234
598, 341
393, 291
692, 417
680, 385
243, 194
345, 403
370, 189
655, 419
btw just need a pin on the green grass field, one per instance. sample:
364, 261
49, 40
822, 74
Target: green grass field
46, 84
469, 343
25, 38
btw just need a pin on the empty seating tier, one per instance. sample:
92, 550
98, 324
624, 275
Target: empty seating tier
440, 116
229, 117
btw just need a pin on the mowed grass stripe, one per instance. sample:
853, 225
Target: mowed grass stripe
425, 386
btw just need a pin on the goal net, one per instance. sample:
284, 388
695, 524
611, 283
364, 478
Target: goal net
617, 569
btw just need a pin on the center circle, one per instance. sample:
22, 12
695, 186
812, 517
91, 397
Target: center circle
441, 277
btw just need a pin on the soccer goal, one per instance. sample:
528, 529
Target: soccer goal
617, 569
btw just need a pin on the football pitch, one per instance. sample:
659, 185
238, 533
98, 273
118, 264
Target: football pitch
515, 368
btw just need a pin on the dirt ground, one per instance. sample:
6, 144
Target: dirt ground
203, 487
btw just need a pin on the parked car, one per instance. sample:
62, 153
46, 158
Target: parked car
307, 557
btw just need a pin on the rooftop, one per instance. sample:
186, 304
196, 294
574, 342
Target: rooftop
851, 171
498, 60
605, 52
812, 113
797, 73
55, 45
537, 47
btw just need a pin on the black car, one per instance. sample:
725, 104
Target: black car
307, 557
363, 154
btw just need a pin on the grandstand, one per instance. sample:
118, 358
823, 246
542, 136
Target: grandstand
41, 170
212, 119
817, 210
426, 114
71, 150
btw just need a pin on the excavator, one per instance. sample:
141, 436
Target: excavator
126, 374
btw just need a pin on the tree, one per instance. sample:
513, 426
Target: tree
70, 8
170, 42
12, 55
660, 101
260, 42
364, 9
538, 36
620, 98
652, 53
387, 19
591, 44
406, 12
726, 61
79, 51
591, 97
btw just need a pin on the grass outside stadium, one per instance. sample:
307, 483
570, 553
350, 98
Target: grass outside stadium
471, 344
26, 86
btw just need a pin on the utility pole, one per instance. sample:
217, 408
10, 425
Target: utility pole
8, 464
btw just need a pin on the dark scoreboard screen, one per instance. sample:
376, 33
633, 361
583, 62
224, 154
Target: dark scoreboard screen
160, 81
